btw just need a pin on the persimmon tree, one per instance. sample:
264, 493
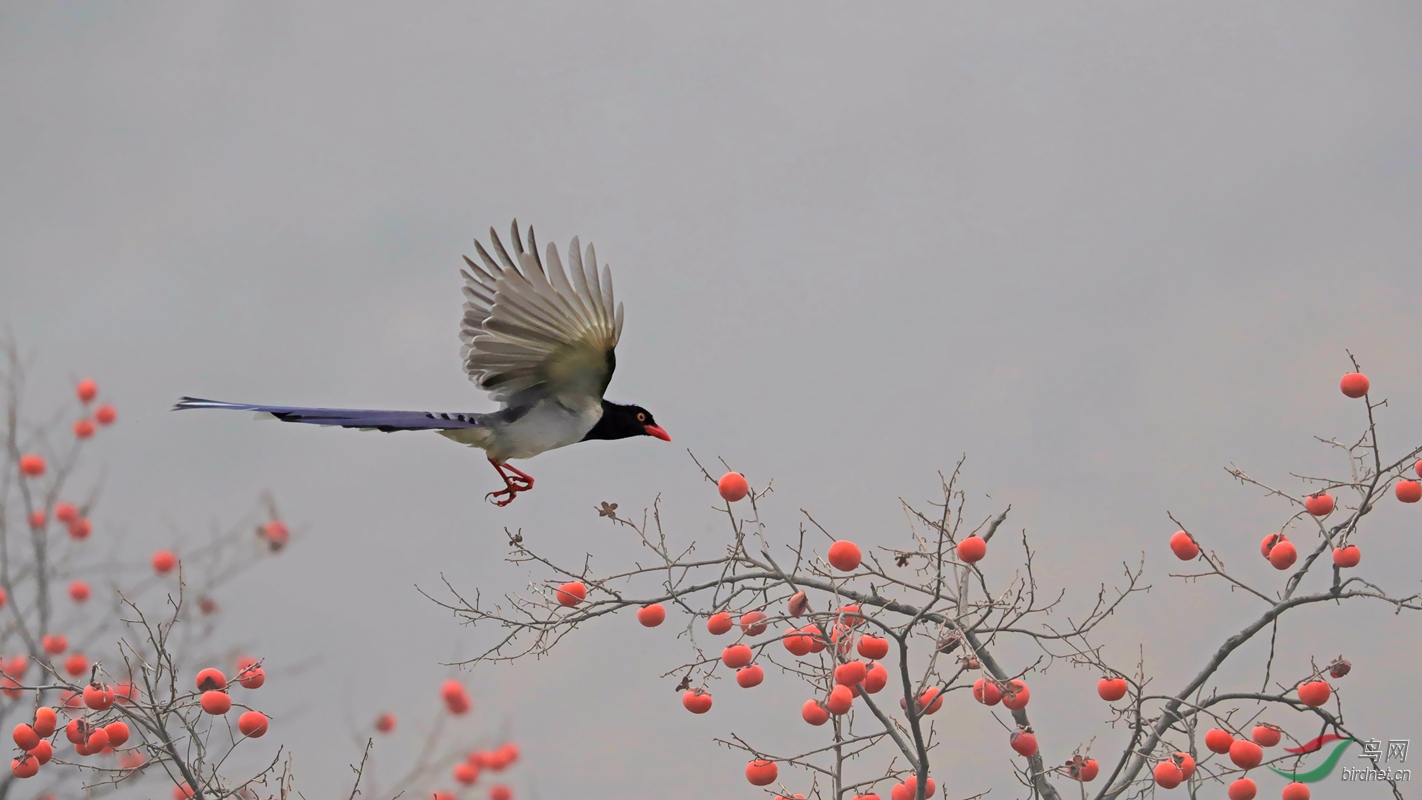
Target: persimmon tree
478, 764
101, 653
114, 674
880, 641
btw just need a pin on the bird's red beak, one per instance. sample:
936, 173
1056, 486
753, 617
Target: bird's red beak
656, 430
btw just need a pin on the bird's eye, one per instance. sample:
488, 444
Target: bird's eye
641, 417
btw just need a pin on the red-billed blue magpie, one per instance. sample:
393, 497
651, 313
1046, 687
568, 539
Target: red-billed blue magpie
540, 344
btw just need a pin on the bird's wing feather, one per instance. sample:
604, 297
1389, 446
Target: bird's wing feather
529, 330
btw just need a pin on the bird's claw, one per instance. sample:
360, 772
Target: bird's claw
511, 492
512, 487
515, 481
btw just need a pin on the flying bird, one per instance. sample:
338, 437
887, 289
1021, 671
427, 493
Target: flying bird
540, 344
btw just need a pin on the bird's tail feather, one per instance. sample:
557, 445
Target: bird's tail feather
360, 418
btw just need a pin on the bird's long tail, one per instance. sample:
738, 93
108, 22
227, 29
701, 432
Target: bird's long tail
360, 418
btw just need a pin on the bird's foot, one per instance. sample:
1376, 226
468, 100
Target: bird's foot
518, 481
519, 478
511, 492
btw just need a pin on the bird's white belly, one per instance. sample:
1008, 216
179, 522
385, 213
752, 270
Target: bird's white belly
547, 426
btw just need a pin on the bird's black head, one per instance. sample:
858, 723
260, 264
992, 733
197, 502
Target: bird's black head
620, 422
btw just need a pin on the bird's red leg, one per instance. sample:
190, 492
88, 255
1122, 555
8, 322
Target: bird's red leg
527, 479
513, 484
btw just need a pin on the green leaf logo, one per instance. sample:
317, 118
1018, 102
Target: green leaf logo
1322, 770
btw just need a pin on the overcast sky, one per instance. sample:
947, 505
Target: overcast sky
1103, 249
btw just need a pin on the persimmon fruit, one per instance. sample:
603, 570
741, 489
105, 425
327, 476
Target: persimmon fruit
652, 615
571, 593
1112, 689
1183, 546
733, 487
1319, 505
1167, 775
1354, 384
32, 465
1245, 754
1315, 693
210, 680
972, 549
164, 561
1015, 696
1347, 556
845, 556
873, 647
814, 712
1243, 789
1283, 555
753, 623
987, 692
1218, 741
875, 679
697, 701
216, 703
737, 656
850, 673
761, 772
252, 724
1266, 735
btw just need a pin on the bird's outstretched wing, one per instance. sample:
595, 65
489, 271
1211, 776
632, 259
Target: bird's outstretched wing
529, 331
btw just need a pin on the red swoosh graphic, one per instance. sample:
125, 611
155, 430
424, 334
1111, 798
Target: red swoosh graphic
1309, 747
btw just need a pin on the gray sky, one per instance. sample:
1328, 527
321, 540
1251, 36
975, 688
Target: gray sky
1103, 249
